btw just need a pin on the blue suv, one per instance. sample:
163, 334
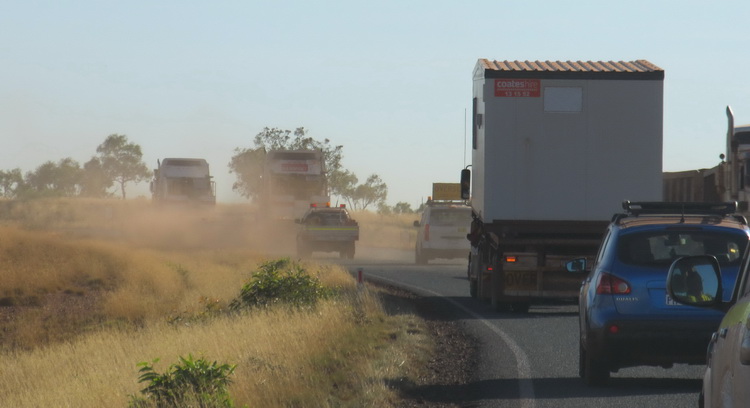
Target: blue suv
626, 316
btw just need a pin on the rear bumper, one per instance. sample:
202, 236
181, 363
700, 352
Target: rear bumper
655, 342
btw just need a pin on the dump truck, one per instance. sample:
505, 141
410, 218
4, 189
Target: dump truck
327, 229
557, 146
183, 180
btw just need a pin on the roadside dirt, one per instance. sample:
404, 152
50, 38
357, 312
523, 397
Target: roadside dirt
448, 374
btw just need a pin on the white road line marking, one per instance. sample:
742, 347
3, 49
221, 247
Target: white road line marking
525, 384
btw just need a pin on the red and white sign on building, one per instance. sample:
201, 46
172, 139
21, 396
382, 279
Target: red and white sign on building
518, 88
294, 167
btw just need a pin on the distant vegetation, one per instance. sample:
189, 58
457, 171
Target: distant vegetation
117, 163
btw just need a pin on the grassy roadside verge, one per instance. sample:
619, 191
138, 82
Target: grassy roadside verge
78, 315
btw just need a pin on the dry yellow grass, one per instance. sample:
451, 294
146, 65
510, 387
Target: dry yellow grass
89, 291
283, 359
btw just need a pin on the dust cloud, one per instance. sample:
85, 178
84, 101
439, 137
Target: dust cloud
143, 224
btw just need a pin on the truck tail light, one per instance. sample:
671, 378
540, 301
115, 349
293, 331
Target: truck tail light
612, 285
510, 259
426, 235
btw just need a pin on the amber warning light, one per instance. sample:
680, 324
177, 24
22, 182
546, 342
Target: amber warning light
510, 259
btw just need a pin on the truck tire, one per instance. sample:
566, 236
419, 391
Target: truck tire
347, 252
473, 288
495, 288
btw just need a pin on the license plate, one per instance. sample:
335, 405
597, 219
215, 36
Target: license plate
520, 280
669, 301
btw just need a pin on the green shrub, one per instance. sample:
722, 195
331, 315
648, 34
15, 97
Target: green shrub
280, 281
190, 383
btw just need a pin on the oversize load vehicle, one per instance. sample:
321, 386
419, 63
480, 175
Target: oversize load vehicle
327, 229
556, 146
627, 318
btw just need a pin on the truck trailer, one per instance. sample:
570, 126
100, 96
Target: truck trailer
557, 146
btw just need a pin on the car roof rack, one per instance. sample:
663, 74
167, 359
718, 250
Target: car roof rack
661, 207
637, 208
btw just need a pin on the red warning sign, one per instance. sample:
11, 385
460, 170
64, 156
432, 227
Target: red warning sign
518, 88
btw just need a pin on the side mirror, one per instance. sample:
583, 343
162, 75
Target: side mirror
465, 184
695, 281
416, 223
576, 265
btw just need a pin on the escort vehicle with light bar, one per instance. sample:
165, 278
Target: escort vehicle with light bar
556, 146
443, 226
327, 229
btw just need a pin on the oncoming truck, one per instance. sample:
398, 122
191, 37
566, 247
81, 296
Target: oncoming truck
183, 180
292, 180
557, 146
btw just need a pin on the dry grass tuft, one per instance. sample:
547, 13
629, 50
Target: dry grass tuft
91, 289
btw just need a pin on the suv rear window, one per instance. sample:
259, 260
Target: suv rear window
663, 247
450, 216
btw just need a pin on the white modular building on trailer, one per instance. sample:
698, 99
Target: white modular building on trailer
557, 146
565, 140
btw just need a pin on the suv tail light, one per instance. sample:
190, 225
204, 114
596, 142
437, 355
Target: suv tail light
426, 232
612, 285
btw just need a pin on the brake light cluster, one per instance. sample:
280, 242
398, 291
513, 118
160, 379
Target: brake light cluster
328, 205
426, 235
612, 285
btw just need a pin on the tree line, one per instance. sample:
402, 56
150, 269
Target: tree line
118, 162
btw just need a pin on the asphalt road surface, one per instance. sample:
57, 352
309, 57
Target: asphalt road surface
526, 360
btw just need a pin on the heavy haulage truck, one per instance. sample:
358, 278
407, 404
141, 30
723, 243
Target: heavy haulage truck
183, 180
556, 148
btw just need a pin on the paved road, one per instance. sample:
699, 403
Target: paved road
530, 360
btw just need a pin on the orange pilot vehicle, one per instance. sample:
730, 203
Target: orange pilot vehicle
557, 146
327, 229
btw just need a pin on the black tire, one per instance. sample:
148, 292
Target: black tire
347, 252
473, 288
419, 259
593, 371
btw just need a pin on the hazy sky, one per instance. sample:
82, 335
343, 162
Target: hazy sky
389, 80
